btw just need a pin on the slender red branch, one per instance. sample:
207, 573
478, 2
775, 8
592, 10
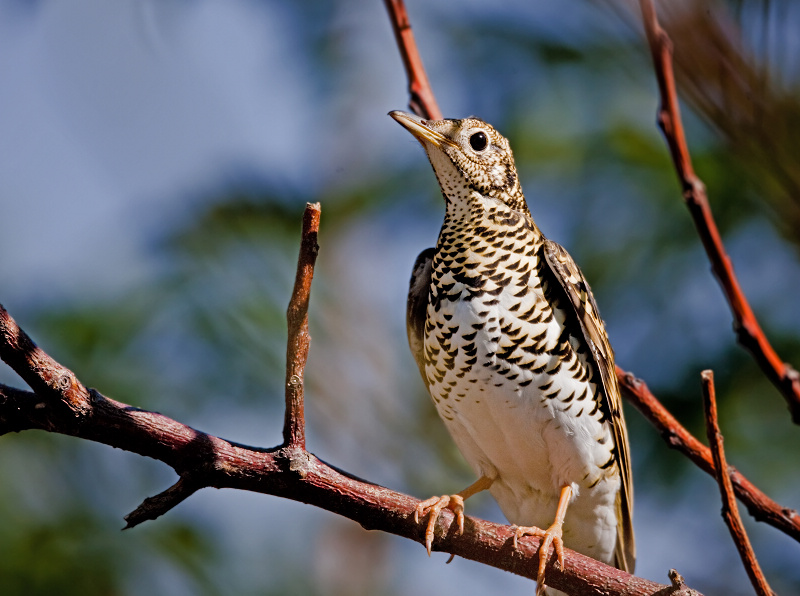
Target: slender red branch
748, 331
294, 426
421, 101
730, 510
759, 505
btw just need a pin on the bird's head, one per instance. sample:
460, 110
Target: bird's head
468, 156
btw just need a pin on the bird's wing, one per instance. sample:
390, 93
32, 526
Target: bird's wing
580, 296
417, 305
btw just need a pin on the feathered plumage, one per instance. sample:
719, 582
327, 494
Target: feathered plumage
509, 342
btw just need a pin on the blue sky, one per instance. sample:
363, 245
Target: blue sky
115, 114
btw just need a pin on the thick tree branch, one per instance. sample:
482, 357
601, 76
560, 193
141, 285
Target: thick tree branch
748, 331
296, 474
38, 370
730, 510
422, 101
759, 505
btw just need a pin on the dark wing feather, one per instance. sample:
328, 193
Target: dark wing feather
418, 295
580, 297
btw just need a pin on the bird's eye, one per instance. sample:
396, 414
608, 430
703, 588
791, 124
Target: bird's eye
478, 141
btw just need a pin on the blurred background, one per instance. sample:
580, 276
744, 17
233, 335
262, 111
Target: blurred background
155, 158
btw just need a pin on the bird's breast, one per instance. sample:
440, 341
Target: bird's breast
514, 386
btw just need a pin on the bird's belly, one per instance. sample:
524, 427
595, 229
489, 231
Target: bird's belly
530, 430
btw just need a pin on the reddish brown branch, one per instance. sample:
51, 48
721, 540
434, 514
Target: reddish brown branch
421, 101
294, 426
759, 505
298, 475
678, 583
748, 331
40, 372
730, 510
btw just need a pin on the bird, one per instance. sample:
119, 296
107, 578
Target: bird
509, 341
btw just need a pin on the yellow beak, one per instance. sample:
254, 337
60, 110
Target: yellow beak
419, 128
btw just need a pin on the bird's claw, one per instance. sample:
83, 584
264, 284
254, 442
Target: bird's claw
522, 531
551, 536
432, 508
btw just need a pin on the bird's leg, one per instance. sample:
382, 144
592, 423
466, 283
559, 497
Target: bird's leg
433, 507
551, 535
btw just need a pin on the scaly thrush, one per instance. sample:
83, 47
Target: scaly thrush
509, 341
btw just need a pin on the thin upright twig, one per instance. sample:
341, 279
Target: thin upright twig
730, 510
748, 331
759, 505
294, 426
421, 99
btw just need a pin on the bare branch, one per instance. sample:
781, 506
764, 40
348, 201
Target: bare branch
748, 331
294, 426
759, 505
730, 510
40, 372
422, 101
296, 474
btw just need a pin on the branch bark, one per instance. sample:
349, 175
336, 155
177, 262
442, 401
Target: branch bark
730, 511
748, 331
759, 505
203, 460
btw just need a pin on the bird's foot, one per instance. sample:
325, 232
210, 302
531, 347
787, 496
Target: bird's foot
433, 507
551, 536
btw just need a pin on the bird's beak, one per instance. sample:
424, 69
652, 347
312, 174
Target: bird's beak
420, 129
